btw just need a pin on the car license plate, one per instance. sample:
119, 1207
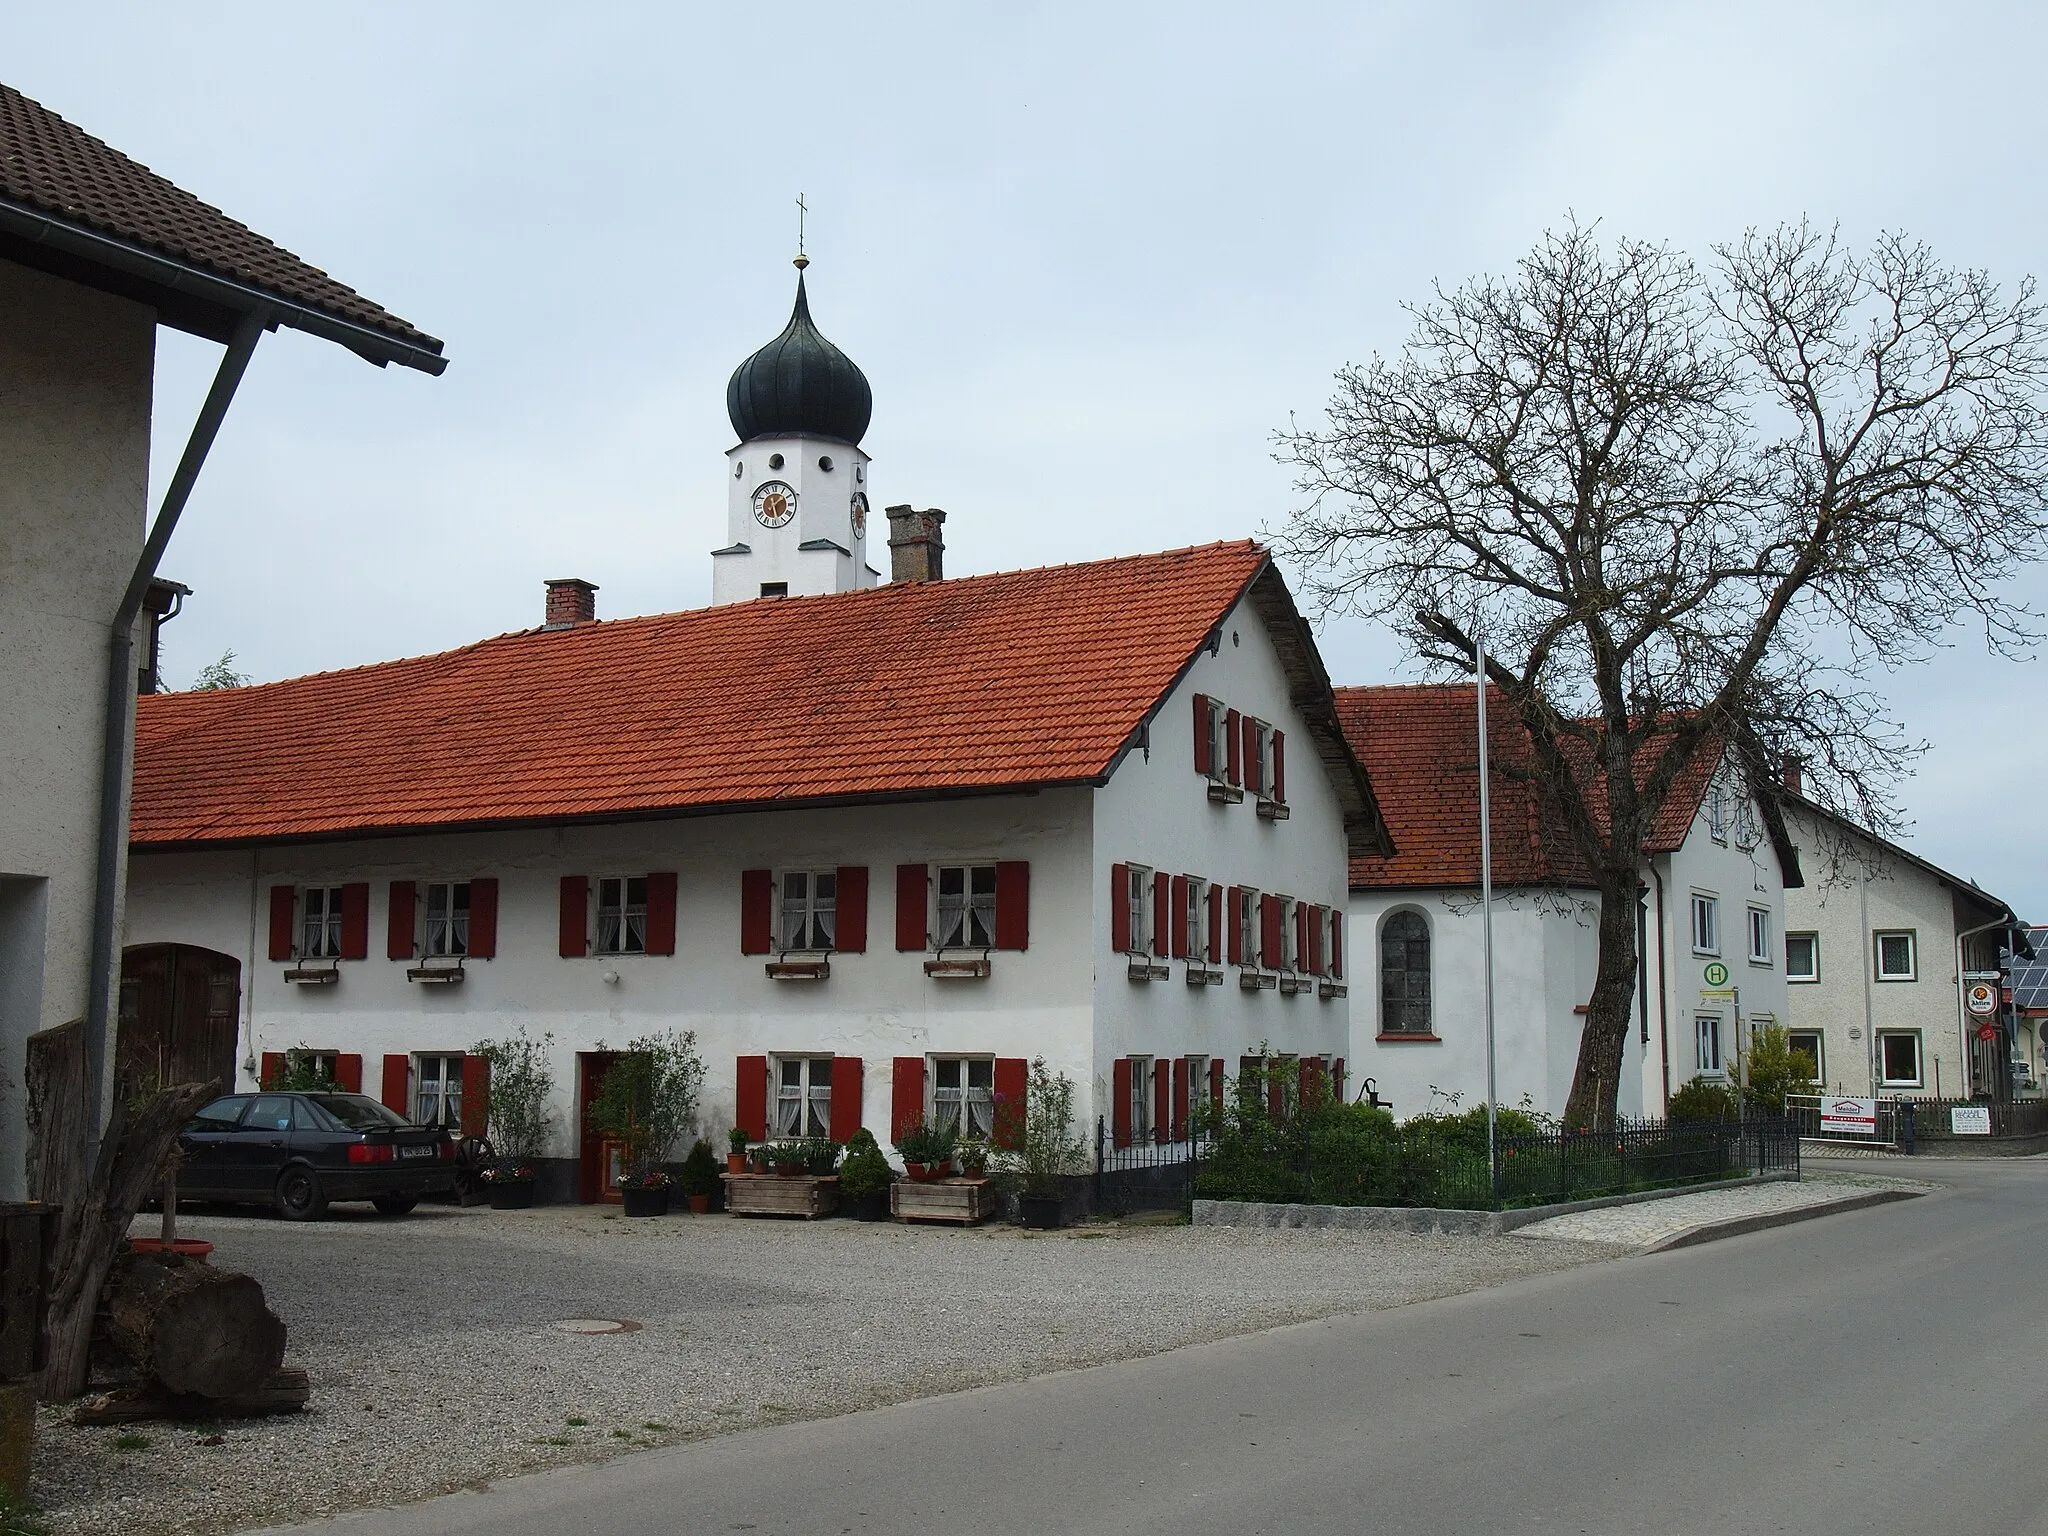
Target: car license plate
415, 1151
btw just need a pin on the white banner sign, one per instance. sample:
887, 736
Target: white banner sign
1969, 1120
1848, 1117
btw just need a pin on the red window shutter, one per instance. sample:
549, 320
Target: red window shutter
661, 913
1337, 1079
575, 936
1336, 959
1216, 1083
1203, 761
1269, 932
851, 915
355, 920
1311, 1079
750, 1098
1162, 914
273, 1069
1233, 754
476, 1096
1177, 921
1120, 1108
284, 901
1215, 923
912, 884
906, 1094
348, 1071
757, 911
1162, 1103
1120, 908
1280, 766
1276, 1088
1315, 940
483, 919
1301, 916
1254, 771
1235, 937
1013, 904
398, 940
846, 1091
1012, 1076
397, 1095
1180, 1098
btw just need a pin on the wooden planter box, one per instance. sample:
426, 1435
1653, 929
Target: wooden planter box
770, 1194
965, 1201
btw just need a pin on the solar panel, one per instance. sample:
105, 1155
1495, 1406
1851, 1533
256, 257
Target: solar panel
2028, 976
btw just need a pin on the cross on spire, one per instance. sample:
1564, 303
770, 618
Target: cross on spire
802, 260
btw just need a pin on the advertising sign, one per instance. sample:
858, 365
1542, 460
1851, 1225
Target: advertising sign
1848, 1117
1969, 1120
1982, 997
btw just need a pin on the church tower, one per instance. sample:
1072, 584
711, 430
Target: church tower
797, 489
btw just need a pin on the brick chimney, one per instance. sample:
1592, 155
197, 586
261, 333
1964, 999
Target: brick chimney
917, 544
1795, 776
571, 601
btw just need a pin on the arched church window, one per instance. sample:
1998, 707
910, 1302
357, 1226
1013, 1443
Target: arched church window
1404, 975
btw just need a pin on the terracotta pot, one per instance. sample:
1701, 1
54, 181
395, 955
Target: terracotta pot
735, 1162
928, 1173
183, 1247
699, 1204
792, 1170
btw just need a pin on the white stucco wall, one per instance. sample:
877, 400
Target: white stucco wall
75, 385
824, 503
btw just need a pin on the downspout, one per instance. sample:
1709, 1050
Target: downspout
1962, 1008
1663, 993
113, 825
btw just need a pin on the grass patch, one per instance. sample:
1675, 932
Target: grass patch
577, 1421
622, 1434
132, 1442
657, 1428
18, 1517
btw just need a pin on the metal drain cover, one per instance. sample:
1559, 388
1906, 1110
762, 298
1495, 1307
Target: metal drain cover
598, 1325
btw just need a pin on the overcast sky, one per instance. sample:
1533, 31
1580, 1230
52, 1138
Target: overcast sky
1089, 256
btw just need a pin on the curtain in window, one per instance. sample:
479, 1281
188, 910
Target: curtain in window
1404, 975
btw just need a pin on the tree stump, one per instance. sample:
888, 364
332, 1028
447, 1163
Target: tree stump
194, 1328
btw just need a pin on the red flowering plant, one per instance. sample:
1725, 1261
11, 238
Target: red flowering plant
509, 1171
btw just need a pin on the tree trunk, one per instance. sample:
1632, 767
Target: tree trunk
1601, 1044
192, 1327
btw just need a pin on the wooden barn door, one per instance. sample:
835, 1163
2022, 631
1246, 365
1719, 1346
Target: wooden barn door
180, 1017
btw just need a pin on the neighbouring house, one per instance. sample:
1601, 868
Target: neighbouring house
877, 846
96, 252
1880, 947
1711, 911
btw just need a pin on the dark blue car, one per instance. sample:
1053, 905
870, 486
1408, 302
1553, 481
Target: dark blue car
298, 1151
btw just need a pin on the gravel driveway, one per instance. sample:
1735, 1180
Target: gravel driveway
437, 1361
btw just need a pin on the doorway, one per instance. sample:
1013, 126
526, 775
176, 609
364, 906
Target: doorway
598, 1163
180, 1017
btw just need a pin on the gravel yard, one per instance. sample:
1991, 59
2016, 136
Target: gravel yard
437, 1361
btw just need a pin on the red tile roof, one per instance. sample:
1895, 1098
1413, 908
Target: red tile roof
983, 683
1419, 744
49, 164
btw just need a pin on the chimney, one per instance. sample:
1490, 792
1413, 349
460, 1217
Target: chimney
1795, 778
917, 546
571, 601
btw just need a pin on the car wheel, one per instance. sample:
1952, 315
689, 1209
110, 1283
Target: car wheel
395, 1205
299, 1195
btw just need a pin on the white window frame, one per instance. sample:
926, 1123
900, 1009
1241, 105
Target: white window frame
437, 1088
968, 905
810, 914
320, 922
1290, 929
1247, 919
1912, 938
1138, 907
967, 1105
1885, 1079
1706, 1045
1197, 935
1760, 936
1813, 940
1198, 1083
1717, 814
1264, 744
1142, 1088
444, 924
623, 912
1820, 1049
1219, 742
1706, 936
801, 1099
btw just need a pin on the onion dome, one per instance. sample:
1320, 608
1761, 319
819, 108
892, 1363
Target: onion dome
799, 384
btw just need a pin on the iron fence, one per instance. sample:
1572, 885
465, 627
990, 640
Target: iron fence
1903, 1123
1146, 1175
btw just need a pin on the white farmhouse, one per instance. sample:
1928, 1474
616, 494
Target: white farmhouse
1708, 923
877, 846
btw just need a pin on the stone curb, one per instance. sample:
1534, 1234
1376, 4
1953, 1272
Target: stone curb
1736, 1226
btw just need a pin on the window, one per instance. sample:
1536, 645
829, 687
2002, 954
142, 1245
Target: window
1247, 919
1138, 907
437, 1096
964, 1095
447, 921
1404, 975
1717, 814
1141, 1098
775, 589
1706, 924
1807, 1043
1290, 932
1802, 957
1895, 956
1707, 1044
321, 929
1216, 723
810, 900
1898, 1058
221, 1114
1197, 941
622, 915
967, 906
1759, 936
1259, 757
1198, 1089
803, 1095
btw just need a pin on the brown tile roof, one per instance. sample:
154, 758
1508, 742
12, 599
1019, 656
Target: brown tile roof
49, 164
1420, 747
982, 683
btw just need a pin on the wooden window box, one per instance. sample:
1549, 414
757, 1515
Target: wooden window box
963, 1201
1201, 975
1225, 794
435, 975
1142, 969
1257, 981
799, 970
1272, 810
770, 1194
958, 970
1294, 986
1330, 989
313, 975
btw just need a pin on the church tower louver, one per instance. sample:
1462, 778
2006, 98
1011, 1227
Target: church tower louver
797, 493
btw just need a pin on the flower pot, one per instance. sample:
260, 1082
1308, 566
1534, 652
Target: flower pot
183, 1247
699, 1204
873, 1206
792, 1170
511, 1194
1041, 1212
735, 1162
645, 1202
927, 1173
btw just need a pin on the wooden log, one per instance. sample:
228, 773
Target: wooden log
286, 1390
194, 1328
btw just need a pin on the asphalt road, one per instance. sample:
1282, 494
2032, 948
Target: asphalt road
1874, 1371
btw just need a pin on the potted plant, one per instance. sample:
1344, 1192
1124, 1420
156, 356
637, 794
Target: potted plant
646, 1102
735, 1150
699, 1178
821, 1157
1040, 1150
927, 1151
864, 1178
517, 1119
974, 1159
757, 1157
791, 1159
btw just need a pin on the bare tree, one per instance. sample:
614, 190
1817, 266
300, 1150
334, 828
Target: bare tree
1695, 512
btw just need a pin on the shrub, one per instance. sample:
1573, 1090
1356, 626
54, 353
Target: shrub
649, 1096
1776, 1070
865, 1171
520, 1087
301, 1073
699, 1175
1704, 1098
1038, 1147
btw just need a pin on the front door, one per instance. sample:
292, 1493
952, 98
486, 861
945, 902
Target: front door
180, 1011
597, 1159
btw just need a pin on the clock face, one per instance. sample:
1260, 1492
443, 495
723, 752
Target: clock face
774, 504
860, 515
